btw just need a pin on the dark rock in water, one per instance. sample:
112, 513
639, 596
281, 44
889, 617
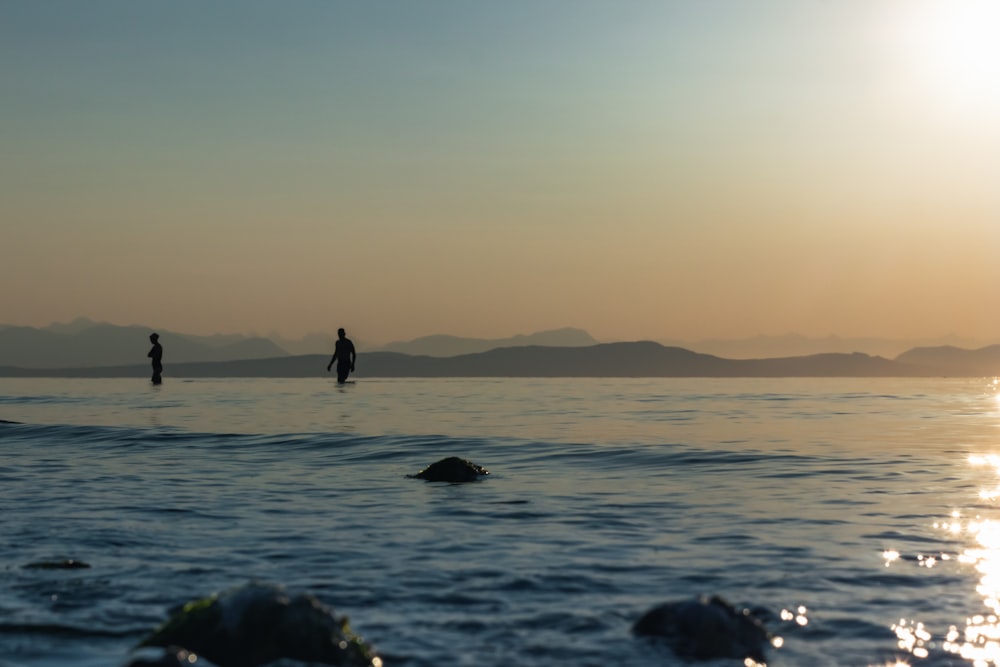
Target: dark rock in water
4, 421
706, 628
68, 564
452, 469
259, 623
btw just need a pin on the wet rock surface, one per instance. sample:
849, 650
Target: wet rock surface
706, 628
452, 469
257, 624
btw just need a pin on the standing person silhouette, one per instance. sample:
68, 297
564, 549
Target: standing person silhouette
156, 354
344, 355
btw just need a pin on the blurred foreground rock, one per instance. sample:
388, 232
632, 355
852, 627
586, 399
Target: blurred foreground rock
452, 469
254, 625
706, 628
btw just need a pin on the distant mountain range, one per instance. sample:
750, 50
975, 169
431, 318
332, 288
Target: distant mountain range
984, 362
84, 348
611, 360
451, 346
83, 343
793, 345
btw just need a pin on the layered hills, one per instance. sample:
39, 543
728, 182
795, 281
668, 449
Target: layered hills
450, 346
87, 349
83, 343
611, 360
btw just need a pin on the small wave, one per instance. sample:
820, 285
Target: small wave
42, 399
70, 631
116, 441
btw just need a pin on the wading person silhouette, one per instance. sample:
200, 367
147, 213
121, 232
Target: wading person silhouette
343, 354
156, 354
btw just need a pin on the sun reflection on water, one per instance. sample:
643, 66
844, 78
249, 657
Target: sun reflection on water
913, 637
978, 641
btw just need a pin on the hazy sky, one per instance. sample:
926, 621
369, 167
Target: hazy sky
640, 169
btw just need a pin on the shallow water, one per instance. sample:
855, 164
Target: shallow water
859, 511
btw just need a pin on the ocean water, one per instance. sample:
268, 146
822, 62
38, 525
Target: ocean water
861, 513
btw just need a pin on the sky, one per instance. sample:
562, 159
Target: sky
641, 169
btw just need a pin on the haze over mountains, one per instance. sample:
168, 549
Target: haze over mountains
794, 345
450, 346
607, 360
83, 343
83, 348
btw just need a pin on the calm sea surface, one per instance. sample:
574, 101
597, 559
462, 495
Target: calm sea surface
862, 513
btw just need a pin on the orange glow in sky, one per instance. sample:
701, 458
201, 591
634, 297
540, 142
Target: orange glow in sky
642, 170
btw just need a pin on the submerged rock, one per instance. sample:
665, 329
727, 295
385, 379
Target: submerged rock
260, 623
706, 628
68, 564
452, 469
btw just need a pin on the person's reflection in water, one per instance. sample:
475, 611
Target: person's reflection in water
156, 354
343, 354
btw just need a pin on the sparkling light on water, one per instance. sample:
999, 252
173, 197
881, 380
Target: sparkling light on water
618, 459
913, 637
979, 641
799, 615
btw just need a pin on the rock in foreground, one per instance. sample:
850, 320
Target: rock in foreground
257, 624
452, 469
706, 628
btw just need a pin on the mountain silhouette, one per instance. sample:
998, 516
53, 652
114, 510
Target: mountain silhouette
86, 344
74, 327
949, 360
442, 345
610, 360
795, 345
83, 348
635, 359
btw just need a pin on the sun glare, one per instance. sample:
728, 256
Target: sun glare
978, 640
953, 48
